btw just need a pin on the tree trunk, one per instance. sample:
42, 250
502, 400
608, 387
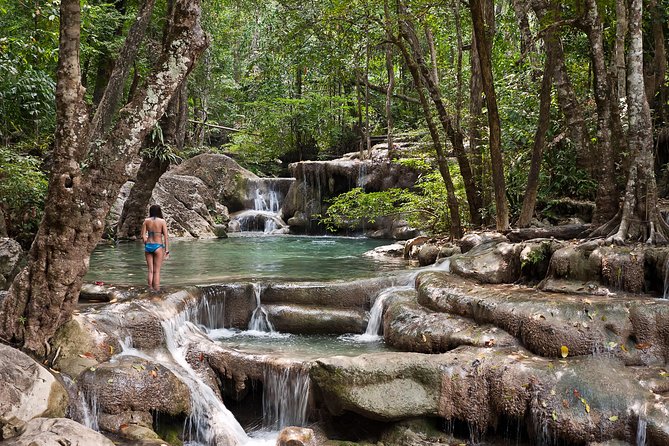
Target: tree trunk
640, 219
656, 71
567, 101
530, 199
495, 133
86, 178
152, 168
390, 69
442, 161
114, 88
475, 121
607, 193
455, 136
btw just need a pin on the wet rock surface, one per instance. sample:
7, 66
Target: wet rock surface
28, 390
58, 432
470, 349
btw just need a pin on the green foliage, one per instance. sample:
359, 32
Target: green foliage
23, 188
423, 208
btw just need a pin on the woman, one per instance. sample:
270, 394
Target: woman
156, 248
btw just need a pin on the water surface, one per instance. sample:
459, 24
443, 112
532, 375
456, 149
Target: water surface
302, 347
244, 257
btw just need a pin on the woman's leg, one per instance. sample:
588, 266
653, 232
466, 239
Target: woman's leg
158, 257
150, 266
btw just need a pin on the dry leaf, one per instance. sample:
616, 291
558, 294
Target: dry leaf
490, 342
153, 373
564, 351
643, 346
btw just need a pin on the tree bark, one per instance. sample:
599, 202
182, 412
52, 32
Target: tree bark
86, 178
656, 72
475, 121
484, 50
109, 101
640, 219
152, 168
530, 199
607, 192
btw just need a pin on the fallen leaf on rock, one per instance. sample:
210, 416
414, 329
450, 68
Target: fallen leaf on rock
490, 342
123, 426
623, 347
564, 351
565, 404
613, 418
114, 300
554, 415
642, 346
153, 373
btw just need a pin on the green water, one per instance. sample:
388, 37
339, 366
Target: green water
290, 258
303, 347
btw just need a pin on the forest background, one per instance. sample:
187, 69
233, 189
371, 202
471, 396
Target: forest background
283, 81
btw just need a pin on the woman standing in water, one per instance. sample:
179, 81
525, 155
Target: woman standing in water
156, 244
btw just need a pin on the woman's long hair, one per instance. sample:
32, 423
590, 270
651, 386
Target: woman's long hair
155, 211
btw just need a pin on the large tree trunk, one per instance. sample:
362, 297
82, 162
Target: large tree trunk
475, 123
86, 178
567, 101
153, 166
530, 199
454, 134
484, 49
607, 193
114, 87
640, 217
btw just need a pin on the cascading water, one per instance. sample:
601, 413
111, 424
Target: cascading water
266, 206
259, 319
285, 396
210, 422
666, 278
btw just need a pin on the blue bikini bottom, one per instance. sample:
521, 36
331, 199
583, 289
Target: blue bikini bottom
153, 247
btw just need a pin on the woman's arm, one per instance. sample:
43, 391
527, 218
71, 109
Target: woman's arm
167, 241
144, 235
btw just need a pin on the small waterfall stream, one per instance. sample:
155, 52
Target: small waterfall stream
285, 397
259, 320
265, 195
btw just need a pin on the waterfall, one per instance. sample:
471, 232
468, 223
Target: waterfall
269, 204
89, 409
259, 319
666, 277
267, 194
285, 397
210, 422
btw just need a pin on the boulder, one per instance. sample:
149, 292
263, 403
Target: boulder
58, 432
296, 436
28, 390
81, 345
570, 401
474, 239
12, 259
631, 328
131, 384
188, 204
226, 180
408, 326
489, 263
